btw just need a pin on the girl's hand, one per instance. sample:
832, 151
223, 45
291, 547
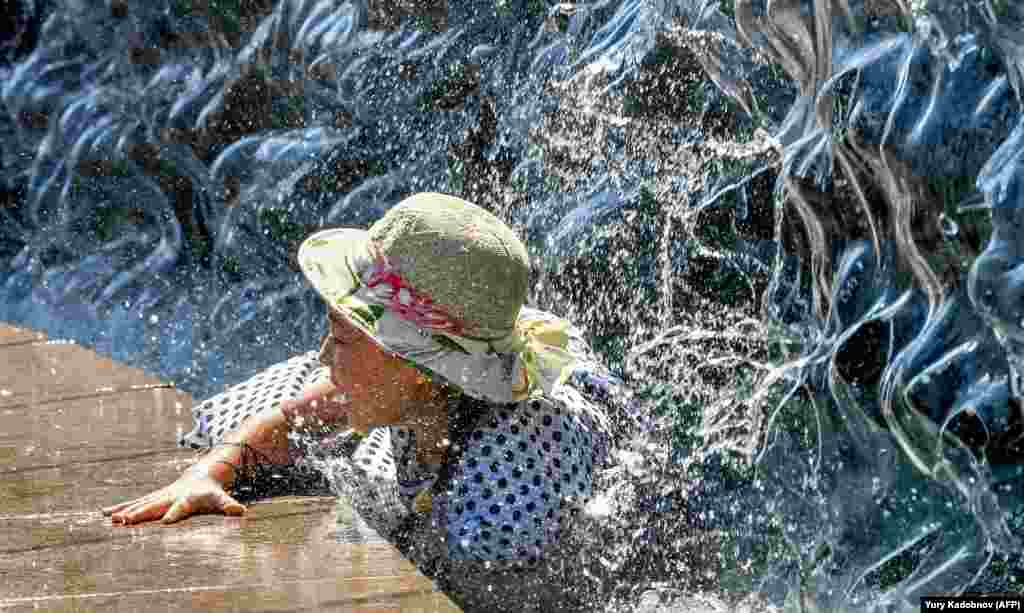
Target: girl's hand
202, 488
193, 493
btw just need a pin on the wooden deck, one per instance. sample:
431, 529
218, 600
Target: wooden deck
79, 432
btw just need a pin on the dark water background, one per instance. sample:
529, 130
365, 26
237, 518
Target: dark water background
806, 259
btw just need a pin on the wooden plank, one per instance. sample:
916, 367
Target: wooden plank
66, 450
11, 336
368, 595
42, 372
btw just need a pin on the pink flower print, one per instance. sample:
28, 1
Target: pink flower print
406, 302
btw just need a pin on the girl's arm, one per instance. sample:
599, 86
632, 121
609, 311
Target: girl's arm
203, 487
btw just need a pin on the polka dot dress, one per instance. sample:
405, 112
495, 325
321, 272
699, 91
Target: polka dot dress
523, 472
524, 468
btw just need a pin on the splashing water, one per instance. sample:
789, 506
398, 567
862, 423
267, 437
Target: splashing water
795, 229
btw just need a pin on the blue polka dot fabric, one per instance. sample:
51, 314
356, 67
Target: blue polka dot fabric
523, 471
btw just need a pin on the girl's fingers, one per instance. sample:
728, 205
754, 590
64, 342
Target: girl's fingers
118, 507
118, 511
118, 517
170, 506
148, 512
178, 512
130, 503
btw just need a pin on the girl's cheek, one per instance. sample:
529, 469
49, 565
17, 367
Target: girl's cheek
340, 359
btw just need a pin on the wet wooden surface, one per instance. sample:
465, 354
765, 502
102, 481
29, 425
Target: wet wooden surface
79, 432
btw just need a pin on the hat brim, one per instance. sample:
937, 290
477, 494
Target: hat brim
332, 260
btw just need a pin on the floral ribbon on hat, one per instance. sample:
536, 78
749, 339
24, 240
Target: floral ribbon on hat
409, 304
441, 343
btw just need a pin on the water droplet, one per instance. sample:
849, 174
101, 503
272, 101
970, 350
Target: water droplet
153, 319
949, 228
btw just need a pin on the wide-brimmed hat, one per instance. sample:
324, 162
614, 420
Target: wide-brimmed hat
442, 283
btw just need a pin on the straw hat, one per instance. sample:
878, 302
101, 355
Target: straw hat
442, 283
